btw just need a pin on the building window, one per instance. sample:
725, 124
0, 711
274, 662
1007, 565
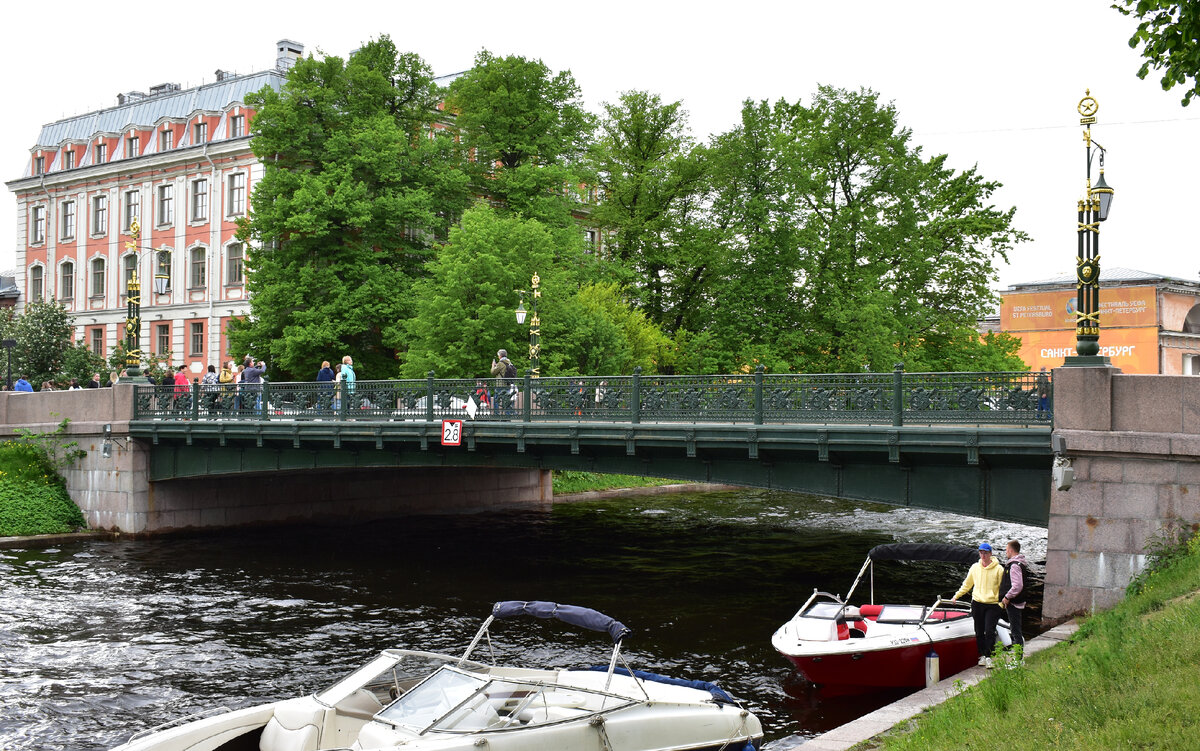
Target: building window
133, 208
35, 283
39, 165
97, 277
101, 153
132, 145
98, 341
66, 281
37, 232
237, 194
100, 215
162, 338
164, 139
589, 240
164, 266
197, 339
233, 264
199, 267
130, 264
200, 132
68, 220
237, 126
199, 200
69, 159
166, 204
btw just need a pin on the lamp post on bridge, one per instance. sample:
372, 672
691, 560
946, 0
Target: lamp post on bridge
1092, 210
535, 325
133, 300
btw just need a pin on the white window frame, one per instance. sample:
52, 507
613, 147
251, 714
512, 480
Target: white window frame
100, 214
196, 338
200, 132
199, 201
67, 217
97, 276
97, 341
69, 159
162, 335
198, 268
101, 152
37, 282
237, 126
133, 208
66, 280
166, 205
166, 138
39, 165
235, 205
133, 146
235, 264
37, 225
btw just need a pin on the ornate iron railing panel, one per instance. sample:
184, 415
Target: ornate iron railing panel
834, 398
895, 398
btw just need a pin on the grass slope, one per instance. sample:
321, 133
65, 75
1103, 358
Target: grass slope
33, 500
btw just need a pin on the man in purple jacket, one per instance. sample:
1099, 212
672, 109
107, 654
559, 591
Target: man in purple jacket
1014, 594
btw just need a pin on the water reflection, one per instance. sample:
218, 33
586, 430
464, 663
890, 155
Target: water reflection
100, 640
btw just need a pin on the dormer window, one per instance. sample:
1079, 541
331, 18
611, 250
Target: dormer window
200, 132
69, 159
39, 165
101, 153
237, 126
164, 139
132, 147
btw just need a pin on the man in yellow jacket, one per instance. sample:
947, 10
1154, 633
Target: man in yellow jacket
983, 581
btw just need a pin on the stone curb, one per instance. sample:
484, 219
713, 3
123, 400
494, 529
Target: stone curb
885, 718
45, 541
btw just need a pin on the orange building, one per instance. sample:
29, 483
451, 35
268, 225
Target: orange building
1148, 323
178, 161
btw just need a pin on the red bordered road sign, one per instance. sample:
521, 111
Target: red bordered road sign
452, 432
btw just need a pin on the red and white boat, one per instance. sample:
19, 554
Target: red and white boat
832, 642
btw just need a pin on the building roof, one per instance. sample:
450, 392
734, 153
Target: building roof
1115, 275
8, 284
145, 112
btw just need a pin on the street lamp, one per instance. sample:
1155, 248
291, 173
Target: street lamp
133, 299
1092, 210
8, 344
535, 325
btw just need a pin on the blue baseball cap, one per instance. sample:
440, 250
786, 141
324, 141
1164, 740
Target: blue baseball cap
985, 546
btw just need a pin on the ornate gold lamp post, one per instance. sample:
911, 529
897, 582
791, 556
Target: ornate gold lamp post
1092, 210
535, 326
133, 301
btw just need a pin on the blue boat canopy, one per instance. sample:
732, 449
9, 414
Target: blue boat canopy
572, 614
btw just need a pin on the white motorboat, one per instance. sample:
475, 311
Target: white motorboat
424, 701
832, 642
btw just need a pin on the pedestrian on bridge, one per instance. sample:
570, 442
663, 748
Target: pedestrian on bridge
983, 582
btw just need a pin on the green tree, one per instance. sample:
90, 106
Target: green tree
464, 308
44, 331
80, 363
358, 186
847, 247
1169, 35
527, 131
653, 178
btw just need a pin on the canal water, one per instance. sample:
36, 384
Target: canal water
99, 640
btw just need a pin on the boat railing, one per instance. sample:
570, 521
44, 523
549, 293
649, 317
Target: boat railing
179, 721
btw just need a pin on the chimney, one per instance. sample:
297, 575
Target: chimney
223, 74
287, 53
129, 97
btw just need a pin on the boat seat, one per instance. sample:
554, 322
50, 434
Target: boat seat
361, 704
294, 726
870, 612
539, 715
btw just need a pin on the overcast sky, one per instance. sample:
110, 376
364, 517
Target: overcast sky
993, 84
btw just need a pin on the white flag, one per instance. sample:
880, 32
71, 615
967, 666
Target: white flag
471, 407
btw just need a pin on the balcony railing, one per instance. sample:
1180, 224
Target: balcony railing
895, 398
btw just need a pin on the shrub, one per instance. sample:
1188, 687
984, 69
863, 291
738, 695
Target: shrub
30, 508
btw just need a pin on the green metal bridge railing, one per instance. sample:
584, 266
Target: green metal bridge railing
895, 398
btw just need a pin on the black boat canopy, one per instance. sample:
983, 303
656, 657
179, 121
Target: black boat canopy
923, 551
573, 614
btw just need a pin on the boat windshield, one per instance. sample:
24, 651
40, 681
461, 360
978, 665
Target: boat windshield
435, 698
825, 609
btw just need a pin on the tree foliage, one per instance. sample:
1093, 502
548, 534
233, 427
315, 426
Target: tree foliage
44, 331
358, 185
1169, 35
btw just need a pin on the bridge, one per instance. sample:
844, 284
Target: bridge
971, 443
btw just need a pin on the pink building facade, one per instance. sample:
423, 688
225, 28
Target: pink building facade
178, 161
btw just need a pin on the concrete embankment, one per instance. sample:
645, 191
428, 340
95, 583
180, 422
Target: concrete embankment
885, 718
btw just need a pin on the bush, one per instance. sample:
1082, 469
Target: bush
30, 508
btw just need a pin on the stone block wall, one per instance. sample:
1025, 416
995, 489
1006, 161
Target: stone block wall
1134, 443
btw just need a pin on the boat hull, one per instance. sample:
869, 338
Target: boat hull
899, 667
